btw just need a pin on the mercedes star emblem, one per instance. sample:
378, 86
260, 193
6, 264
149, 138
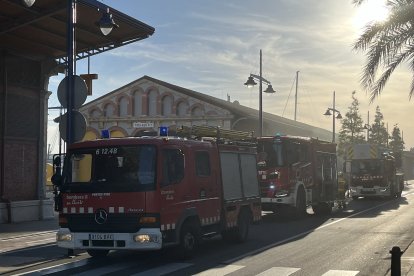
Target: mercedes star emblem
101, 216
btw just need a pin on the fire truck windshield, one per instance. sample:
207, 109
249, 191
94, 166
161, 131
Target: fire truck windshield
371, 167
271, 154
111, 169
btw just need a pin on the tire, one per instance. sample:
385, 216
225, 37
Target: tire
240, 233
189, 240
98, 253
242, 229
300, 208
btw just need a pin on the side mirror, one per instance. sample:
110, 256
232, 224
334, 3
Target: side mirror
57, 161
57, 168
57, 179
261, 164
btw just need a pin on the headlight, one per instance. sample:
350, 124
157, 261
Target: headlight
282, 193
143, 238
383, 190
61, 237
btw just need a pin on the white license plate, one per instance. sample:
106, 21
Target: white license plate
101, 237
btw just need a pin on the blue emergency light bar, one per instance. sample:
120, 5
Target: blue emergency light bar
163, 131
105, 134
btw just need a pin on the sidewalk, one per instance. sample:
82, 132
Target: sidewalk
407, 261
8, 230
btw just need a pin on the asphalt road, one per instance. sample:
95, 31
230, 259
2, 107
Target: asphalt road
355, 241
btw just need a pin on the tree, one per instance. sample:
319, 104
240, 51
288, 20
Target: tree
396, 145
378, 133
387, 44
352, 130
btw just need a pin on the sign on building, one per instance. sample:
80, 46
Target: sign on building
143, 125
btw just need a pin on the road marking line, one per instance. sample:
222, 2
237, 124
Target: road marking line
340, 273
279, 271
163, 270
105, 269
220, 270
49, 240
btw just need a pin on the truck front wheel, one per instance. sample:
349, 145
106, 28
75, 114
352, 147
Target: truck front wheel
189, 240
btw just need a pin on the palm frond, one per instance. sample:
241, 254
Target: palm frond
380, 83
385, 45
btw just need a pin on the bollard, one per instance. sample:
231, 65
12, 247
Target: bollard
71, 253
396, 261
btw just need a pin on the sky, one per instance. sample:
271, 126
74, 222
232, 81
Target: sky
213, 46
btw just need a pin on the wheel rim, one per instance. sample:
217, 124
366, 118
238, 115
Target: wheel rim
189, 241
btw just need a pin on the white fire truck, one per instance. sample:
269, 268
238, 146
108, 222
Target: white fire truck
297, 172
146, 193
371, 172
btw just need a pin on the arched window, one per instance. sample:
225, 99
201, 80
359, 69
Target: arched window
137, 103
182, 109
95, 113
109, 111
166, 107
197, 111
123, 107
152, 103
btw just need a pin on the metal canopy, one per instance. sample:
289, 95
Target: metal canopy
40, 32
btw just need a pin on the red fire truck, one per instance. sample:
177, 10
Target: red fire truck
146, 193
296, 172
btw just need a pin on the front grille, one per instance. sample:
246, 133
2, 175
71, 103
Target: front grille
264, 188
116, 223
368, 185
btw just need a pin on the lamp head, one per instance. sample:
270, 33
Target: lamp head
107, 23
269, 89
250, 82
327, 113
28, 3
339, 116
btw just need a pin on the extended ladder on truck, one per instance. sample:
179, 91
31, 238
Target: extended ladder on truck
221, 135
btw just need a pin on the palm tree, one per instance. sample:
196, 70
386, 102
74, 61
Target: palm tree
388, 44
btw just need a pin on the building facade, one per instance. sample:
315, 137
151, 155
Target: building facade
142, 106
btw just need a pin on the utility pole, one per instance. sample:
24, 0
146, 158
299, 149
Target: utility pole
296, 94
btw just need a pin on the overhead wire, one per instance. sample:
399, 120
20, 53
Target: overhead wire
290, 92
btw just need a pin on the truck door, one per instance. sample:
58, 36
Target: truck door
206, 187
173, 182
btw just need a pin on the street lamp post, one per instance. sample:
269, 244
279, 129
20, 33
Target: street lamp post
328, 113
250, 83
367, 127
106, 24
71, 13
